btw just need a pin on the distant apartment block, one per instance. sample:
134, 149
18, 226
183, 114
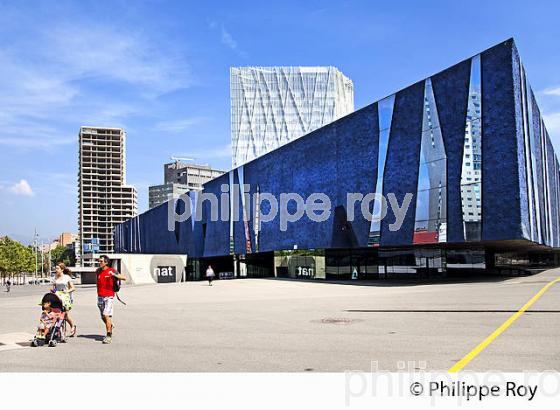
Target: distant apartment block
271, 106
67, 238
179, 178
159, 194
104, 198
48, 247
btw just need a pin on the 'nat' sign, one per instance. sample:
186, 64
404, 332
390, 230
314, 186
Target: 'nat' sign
166, 274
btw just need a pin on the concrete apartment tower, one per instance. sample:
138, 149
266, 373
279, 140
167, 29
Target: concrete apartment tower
104, 198
271, 106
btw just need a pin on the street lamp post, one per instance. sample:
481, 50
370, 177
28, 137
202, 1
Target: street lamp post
42, 260
35, 249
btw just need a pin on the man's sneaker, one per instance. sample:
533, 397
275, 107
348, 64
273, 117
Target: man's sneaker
107, 340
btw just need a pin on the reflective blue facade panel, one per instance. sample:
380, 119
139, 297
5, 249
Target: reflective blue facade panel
467, 148
529, 159
546, 188
500, 172
240, 227
401, 168
537, 140
215, 230
523, 151
357, 152
451, 90
556, 221
431, 193
385, 109
551, 192
536, 163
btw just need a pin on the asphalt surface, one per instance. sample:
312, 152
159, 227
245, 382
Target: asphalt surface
268, 325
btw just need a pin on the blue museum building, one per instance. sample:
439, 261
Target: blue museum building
466, 149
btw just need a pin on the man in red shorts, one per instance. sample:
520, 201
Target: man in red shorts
106, 275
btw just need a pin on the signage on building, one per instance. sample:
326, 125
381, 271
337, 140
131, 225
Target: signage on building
166, 274
302, 267
226, 275
305, 272
92, 247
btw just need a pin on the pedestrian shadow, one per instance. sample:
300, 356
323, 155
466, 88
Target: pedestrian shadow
97, 338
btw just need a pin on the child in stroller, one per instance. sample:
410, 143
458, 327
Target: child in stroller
52, 326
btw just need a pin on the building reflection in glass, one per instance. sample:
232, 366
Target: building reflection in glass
385, 114
431, 200
471, 173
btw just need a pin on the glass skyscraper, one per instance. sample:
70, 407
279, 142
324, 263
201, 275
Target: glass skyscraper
271, 106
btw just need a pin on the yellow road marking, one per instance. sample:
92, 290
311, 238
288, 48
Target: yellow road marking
473, 353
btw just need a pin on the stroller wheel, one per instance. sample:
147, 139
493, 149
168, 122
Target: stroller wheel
34, 343
52, 343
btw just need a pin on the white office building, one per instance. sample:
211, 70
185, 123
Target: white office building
271, 106
179, 178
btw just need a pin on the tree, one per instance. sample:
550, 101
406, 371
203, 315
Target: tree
15, 258
4, 260
64, 255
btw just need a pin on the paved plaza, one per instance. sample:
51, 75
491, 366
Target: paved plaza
269, 325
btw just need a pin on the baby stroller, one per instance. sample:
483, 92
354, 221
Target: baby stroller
57, 331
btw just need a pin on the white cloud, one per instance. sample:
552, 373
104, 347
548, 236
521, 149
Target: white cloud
550, 108
178, 125
552, 122
103, 51
552, 91
230, 42
53, 78
219, 152
22, 188
36, 143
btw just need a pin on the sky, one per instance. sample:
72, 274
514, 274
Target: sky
160, 69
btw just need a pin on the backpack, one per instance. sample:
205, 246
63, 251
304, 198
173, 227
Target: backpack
117, 287
116, 284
